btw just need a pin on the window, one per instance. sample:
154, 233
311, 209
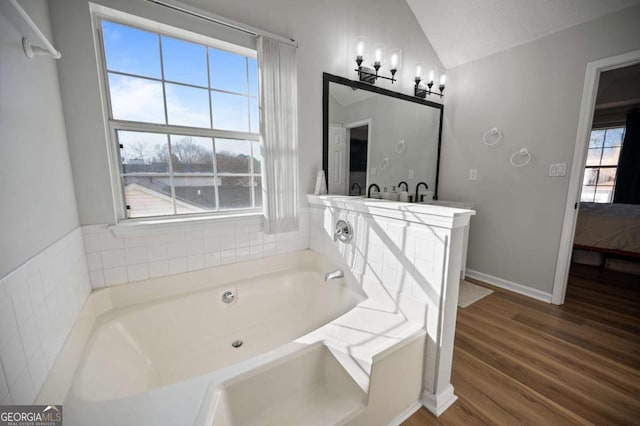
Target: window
184, 121
602, 165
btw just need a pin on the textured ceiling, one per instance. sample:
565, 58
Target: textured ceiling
462, 31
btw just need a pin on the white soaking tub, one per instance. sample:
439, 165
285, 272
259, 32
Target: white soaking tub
146, 352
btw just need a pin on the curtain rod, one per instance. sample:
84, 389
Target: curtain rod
29, 50
198, 13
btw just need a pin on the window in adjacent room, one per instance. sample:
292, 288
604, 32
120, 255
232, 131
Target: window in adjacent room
602, 165
184, 121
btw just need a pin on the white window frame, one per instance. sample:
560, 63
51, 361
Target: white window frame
127, 225
616, 167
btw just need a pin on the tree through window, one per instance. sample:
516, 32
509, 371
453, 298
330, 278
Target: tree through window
185, 120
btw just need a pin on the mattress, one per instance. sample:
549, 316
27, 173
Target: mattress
609, 227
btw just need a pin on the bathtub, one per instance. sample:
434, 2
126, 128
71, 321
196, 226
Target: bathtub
161, 351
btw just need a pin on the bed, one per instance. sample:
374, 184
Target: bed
610, 228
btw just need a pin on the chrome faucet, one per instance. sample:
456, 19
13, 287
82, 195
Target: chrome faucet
406, 185
369, 189
359, 187
418, 199
333, 275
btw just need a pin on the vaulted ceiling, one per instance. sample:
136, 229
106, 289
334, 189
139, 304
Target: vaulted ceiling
462, 31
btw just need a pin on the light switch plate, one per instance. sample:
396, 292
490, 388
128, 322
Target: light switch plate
473, 174
558, 169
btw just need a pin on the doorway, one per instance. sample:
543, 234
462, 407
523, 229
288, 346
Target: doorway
357, 160
580, 156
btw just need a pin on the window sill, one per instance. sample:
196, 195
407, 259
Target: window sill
134, 227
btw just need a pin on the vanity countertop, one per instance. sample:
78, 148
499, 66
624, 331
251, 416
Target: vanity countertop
438, 213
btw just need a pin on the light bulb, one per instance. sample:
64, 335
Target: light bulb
394, 61
360, 48
418, 71
378, 55
431, 76
443, 79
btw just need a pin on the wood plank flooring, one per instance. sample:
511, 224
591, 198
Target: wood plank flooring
520, 361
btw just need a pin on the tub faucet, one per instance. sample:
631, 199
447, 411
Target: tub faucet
406, 185
418, 198
369, 189
333, 275
359, 187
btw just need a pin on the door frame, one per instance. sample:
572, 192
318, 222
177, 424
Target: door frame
367, 122
587, 106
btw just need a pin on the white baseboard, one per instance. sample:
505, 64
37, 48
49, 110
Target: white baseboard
438, 403
509, 285
398, 420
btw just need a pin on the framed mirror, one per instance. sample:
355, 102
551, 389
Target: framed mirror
374, 135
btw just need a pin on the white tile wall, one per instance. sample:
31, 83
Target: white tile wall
400, 254
112, 260
39, 302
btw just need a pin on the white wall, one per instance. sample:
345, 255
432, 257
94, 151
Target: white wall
35, 176
533, 94
322, 29
43, 272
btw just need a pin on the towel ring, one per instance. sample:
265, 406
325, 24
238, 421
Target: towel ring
524, 152
494, 132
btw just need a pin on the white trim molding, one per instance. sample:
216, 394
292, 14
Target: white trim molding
510, 285
438, 403
590, 91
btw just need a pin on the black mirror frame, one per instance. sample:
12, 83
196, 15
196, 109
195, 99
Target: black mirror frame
330, 78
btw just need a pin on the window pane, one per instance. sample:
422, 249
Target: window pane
258, 191
257, 157
603, 194
195, 194
184, 62
148, 196
136, 99
597, 139
606, 177
587, 194
610, 156
255, 119
590, 177
143, 152
232, 155
614, 137
235, 192
131, 50
191, 154
230, 112
593, 157
187, 106
253, 76
228, 71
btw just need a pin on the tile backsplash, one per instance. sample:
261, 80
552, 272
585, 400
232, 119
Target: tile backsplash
115, 260
39, 303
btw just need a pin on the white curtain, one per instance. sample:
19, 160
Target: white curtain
279, 128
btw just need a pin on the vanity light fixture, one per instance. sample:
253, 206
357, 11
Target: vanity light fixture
370, 75
420, 91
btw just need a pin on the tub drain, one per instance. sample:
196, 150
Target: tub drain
237, 343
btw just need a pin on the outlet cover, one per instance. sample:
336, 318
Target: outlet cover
473, 174
412, 175
558, 169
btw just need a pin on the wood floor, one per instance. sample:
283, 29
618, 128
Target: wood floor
520, 361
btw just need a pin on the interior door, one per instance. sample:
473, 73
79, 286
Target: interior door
337, 160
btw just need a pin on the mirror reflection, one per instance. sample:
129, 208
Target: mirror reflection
376, 136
